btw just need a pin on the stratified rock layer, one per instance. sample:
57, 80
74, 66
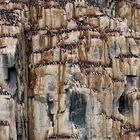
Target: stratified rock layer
69, 70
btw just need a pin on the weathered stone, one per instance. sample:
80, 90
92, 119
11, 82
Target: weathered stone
69, 70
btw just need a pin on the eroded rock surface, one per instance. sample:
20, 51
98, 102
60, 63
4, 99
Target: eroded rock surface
69, 70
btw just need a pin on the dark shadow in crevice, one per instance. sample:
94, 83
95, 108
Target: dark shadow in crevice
78, 109
125, 104
12, 82
131, 80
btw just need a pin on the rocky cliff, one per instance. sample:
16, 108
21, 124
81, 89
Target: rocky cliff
69, 70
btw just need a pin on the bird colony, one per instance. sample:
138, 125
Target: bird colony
69, 70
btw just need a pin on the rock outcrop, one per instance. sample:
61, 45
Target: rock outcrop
69, 70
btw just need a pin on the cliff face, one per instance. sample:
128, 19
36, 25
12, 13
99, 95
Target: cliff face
70, 70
